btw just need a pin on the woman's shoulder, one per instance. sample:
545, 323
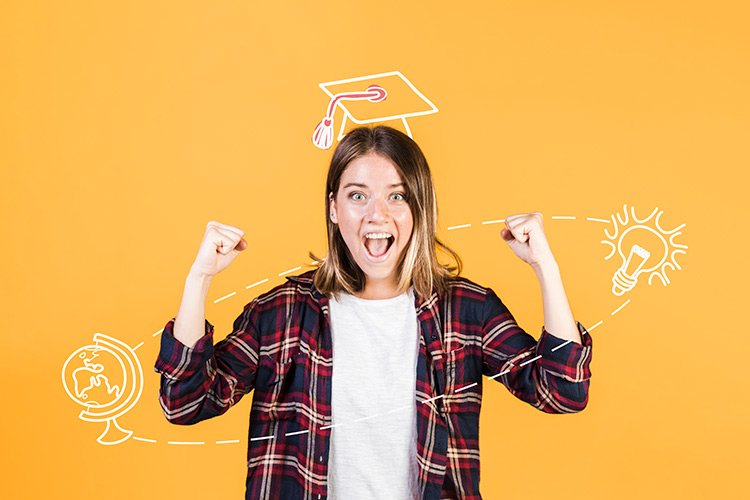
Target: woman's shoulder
469, 300
285, 292
461, 285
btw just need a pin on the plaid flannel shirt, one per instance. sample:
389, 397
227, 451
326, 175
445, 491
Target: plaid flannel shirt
280, 346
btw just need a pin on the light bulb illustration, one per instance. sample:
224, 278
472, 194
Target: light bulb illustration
644, 246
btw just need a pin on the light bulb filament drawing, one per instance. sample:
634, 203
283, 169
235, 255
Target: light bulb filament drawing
627, 276
644, 247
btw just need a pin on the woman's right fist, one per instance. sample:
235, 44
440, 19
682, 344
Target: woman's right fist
221, 244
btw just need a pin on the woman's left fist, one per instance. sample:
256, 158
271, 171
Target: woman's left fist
524, 233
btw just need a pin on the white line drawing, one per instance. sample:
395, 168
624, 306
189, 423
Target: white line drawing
530, 360
466, 387
643, 248
256, 283
290, 270
460, 226
598, 323
381, 84
323, 135
297, 432
114, 387
105, 396
618, 309
224, 297
500, 374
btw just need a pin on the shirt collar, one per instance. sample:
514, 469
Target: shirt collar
307, 281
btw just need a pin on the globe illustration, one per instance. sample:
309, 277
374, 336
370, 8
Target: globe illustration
105, 378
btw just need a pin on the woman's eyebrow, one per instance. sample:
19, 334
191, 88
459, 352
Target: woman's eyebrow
357, 184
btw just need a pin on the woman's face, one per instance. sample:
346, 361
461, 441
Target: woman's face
373, 215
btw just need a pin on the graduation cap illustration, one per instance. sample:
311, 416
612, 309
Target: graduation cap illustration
369, 99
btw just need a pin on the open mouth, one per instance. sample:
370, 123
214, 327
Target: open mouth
378, 248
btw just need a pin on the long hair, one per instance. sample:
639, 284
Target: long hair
419, 265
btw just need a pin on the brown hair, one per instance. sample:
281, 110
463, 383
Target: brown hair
419, 265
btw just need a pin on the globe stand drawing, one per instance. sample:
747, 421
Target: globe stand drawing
88, 380
113, 433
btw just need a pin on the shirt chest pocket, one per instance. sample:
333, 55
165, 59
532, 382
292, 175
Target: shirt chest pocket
463, 388
281, 395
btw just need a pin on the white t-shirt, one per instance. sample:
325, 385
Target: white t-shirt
375, 346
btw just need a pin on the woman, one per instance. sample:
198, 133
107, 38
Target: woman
410, 339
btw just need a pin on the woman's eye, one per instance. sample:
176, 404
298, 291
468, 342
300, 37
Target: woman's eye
399, 196
357, 196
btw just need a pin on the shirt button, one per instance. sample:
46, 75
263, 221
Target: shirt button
320, 458
434, 337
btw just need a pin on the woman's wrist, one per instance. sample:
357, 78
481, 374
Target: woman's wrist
546, 268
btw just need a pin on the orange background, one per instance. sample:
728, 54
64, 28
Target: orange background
126, 127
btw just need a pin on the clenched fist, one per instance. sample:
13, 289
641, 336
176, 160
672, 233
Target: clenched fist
525, 236
221, 244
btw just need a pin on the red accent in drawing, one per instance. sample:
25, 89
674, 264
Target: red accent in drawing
323, 136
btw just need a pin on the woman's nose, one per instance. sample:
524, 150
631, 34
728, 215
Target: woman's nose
378, 210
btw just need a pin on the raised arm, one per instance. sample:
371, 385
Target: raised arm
200, 380
553, 373
525, 236
550, 374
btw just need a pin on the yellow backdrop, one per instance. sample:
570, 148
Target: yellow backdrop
126, 126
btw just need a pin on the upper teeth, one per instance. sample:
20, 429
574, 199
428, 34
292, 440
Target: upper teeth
377, 235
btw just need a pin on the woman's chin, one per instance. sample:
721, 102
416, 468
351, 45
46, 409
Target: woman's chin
377, 270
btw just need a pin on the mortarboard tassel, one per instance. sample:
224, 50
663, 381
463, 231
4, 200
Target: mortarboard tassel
323, 135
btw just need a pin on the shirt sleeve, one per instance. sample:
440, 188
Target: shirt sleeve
551, 374
205, 380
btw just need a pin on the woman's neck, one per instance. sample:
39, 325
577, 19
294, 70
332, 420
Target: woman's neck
378, 290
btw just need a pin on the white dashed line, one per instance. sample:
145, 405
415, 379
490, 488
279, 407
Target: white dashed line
261, 438
466, 387
224, 297
257, 283
618, 309
595, 325
530, 360
561, 345
499, 374
296, 432
367, 417
433, 399
290, 270
399, 408
461, 226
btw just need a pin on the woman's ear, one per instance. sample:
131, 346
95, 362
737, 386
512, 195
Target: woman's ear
332, 204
